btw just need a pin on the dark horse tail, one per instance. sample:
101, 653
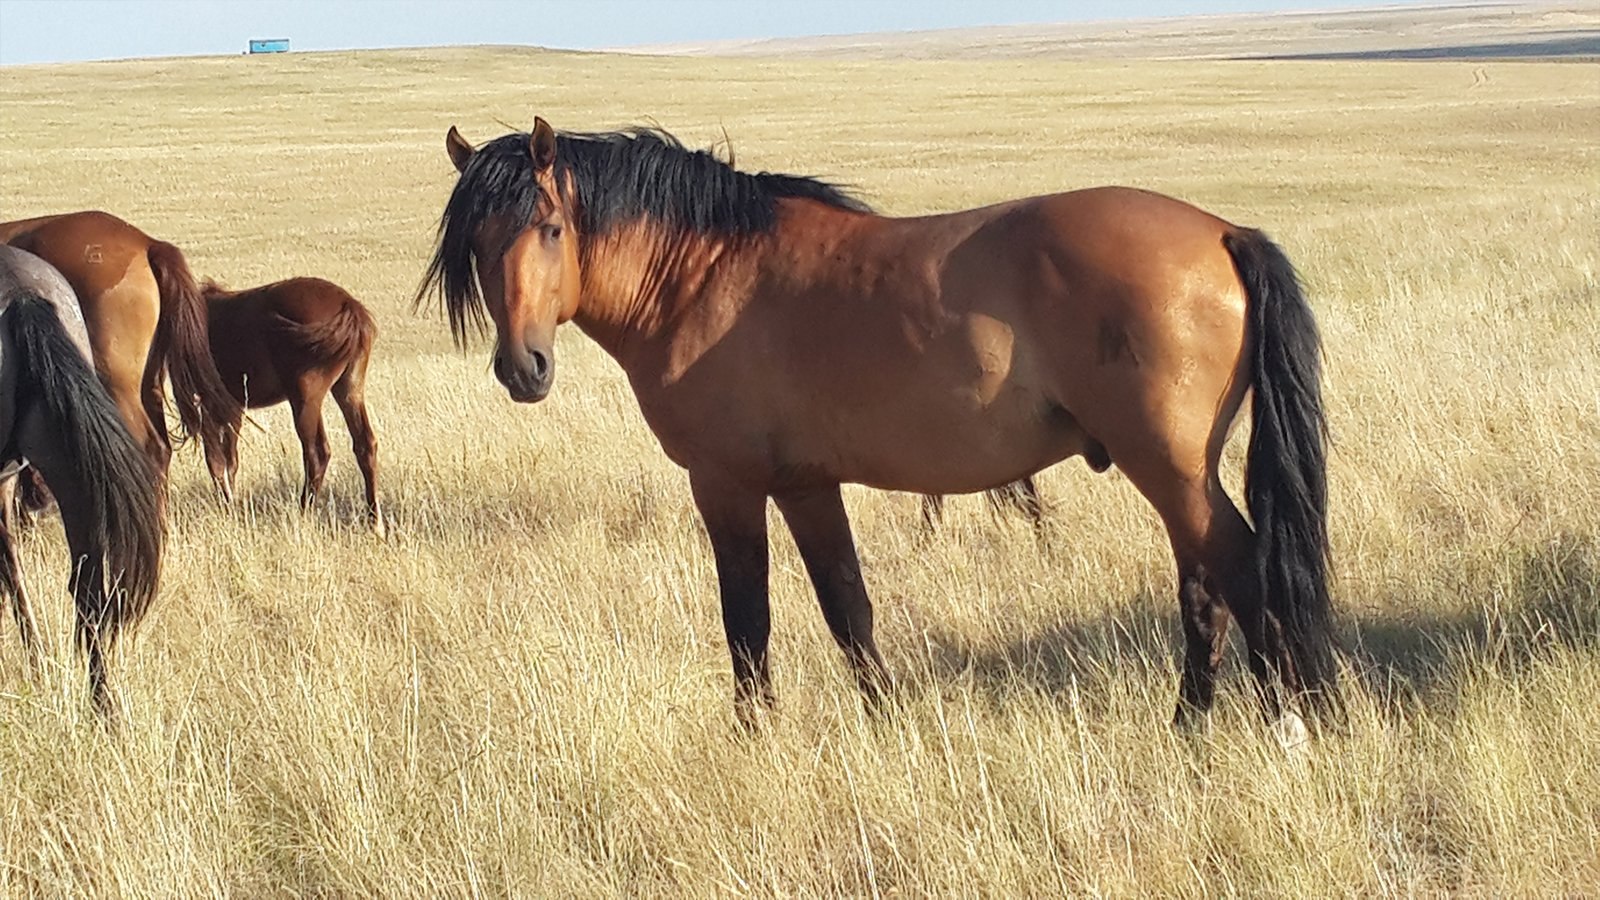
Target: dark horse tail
119, 488
183, 343
344, 336
1286, 485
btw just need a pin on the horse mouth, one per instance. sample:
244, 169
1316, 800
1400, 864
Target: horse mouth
527, 395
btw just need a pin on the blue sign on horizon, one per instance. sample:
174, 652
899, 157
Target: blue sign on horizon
269, 45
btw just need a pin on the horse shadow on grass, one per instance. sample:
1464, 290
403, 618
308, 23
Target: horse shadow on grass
415, 511
1513, 612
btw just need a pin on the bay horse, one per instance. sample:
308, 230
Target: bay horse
782, 339
145, 317
56, 415
297, 341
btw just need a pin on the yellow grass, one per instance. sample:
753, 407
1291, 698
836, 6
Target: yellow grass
525, 691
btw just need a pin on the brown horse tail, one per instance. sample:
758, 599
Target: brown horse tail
346, 335
183, 343
1286, 485
120, 489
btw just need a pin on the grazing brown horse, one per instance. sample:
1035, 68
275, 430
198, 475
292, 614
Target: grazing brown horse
56, 415
296, 341
145, 317
782, 339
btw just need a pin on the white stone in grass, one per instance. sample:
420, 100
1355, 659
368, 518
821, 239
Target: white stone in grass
1291, 732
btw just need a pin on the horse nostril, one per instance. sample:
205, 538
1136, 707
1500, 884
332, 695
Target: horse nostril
541, 365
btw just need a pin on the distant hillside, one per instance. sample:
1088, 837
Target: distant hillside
1461, 31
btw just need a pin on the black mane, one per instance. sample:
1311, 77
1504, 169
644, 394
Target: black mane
617, 177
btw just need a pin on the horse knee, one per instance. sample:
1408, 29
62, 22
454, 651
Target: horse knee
365, 446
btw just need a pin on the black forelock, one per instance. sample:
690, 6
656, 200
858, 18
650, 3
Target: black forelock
617, 177
498, 179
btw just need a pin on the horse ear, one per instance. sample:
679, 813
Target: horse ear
542, 145
460, 151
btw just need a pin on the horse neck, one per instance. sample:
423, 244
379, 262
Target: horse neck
637, 276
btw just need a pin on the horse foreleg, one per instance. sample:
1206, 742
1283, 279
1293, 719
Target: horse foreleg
736, 522
821, 530
87, 550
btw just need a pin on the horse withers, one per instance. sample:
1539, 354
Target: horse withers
56, 416
782, 339
293, 341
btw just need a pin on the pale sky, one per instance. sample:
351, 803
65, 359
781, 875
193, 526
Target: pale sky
34, 31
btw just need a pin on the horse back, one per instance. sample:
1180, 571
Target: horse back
321, 319
95, 250
106, 261
273, 335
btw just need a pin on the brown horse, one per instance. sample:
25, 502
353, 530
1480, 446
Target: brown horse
782, 339
296, 341
144, 314
56, 415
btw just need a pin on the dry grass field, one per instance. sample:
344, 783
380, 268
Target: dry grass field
524, 690
1482, 29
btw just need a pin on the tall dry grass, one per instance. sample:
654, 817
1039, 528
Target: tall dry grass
524, 691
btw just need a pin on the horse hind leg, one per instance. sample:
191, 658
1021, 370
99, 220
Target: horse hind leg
1211, 544
86, 552
1214, 549
221, 446
306, 405
151, 428
33, 495
230, 451
1230, 571
11, 573
350, 393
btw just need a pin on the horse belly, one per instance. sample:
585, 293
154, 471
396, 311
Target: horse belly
969, 415
964, 448
250, 376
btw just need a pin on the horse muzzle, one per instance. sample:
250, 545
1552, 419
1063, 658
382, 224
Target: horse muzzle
526, 381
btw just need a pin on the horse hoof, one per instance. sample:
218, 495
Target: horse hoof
1291, 732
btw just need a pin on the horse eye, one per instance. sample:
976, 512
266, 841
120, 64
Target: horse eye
555, 232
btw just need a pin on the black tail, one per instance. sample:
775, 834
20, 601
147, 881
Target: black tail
114, 475
1021, 495
1286, 484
